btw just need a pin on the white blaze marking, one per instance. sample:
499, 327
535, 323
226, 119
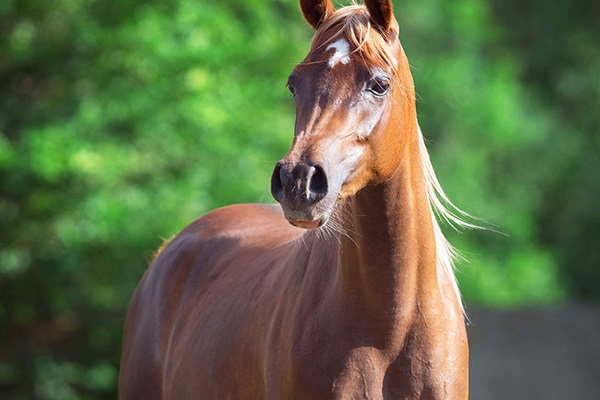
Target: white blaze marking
342, 53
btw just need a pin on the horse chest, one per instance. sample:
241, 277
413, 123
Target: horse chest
359, 367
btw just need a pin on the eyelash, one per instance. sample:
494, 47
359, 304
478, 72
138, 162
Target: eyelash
290, 88
379, 86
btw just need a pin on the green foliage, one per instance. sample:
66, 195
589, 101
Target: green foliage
485, 125
120, 122
561, 45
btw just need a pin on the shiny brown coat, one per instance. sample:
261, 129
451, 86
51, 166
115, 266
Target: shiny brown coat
244, 305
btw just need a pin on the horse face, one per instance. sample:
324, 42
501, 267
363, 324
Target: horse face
341, 141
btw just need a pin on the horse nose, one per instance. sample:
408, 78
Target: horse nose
300, 185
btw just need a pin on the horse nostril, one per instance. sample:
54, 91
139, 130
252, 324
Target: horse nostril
300, 186
276, 183
317, 185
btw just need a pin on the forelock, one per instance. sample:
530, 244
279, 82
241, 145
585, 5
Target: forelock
353, 23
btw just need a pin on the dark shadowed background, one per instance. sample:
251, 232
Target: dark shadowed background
122, 121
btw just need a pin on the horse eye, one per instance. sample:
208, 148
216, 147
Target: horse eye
290, 88
379, 86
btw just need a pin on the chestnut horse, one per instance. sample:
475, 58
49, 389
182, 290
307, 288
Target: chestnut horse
345, 290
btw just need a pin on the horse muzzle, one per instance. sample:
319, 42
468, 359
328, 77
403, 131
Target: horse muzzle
302, 191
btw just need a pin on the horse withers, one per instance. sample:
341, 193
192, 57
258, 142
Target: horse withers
345, 290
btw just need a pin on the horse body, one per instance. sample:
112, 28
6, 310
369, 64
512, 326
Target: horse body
243, 305
234, 311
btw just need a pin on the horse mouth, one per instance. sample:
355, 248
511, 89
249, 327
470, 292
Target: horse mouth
314, 223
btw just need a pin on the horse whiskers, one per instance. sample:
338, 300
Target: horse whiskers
336, 228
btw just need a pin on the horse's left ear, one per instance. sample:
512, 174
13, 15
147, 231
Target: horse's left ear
316, 11
382, 13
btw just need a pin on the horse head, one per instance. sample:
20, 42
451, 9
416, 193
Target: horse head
354, 99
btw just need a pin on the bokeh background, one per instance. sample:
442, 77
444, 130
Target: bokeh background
122, 121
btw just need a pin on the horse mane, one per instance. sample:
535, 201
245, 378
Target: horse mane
442, 208
354, 23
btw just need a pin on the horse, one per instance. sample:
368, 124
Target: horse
343, 290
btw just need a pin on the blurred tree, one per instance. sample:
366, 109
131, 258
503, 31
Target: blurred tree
120, 122
561, 45
484, 126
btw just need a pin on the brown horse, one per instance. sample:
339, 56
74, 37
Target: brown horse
355, 297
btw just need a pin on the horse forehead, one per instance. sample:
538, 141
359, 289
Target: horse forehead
331, 49
340, 54
332, 63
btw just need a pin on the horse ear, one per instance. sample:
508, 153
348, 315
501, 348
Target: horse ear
381, 13
316, 11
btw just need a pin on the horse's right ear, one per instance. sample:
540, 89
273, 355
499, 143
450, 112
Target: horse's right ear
381, 13
316, 11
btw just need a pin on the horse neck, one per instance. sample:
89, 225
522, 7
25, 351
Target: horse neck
389, 256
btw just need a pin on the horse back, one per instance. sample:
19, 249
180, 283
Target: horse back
201, 301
